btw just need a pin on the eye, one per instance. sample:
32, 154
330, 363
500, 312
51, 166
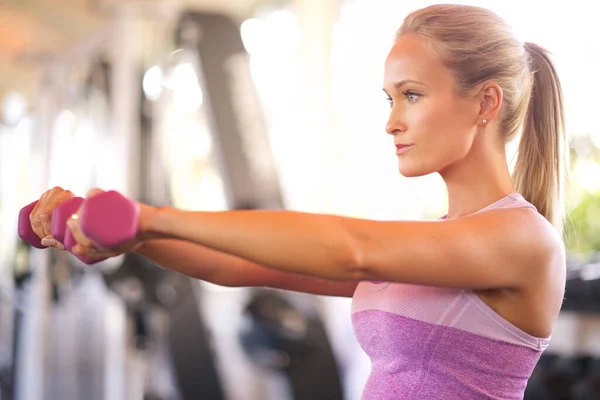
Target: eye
411, 96
390, 101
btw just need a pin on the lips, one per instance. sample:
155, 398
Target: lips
402, 148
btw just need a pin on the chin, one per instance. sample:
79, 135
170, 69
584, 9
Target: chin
413, 171
411, 175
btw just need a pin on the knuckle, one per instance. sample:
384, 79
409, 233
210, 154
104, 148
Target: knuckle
66, 193
45, 215
43, 197
35, 219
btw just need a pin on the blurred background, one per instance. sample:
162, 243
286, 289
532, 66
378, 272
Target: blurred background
236, 104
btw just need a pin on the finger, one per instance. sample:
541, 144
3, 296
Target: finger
54, 201
63, 196
93, 192
74, 225
34, 216
93, 253
41, 215
41, 220
49, 241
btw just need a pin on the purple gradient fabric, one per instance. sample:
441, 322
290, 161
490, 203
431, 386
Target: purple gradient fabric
441, 343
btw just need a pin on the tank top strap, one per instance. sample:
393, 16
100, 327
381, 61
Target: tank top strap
511, 200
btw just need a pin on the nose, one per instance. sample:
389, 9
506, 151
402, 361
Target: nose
394, 125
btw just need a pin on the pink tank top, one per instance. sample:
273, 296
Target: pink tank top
429, 342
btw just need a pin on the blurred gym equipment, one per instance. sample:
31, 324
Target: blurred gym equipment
126, 328
231, 167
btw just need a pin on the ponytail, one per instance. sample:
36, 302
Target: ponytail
542, 162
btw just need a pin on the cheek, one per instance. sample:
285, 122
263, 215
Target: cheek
434, 123
442, 122
441, 135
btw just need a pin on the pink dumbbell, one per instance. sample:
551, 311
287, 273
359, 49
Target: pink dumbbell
110, 219
25, 231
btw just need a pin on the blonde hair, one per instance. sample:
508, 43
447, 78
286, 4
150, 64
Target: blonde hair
479, 47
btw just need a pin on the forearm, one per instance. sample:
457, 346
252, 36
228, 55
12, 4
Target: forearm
308, 244
193, 260
225, 270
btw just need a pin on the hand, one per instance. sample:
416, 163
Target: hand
87, 247
41, 215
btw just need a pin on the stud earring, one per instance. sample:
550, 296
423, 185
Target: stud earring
484, 121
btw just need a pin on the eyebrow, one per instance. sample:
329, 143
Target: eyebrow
403, 82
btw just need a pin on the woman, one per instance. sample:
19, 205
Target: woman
461, 307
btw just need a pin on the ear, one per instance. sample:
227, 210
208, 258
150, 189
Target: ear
490, 100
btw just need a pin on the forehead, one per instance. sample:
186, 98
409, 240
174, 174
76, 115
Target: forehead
411, 58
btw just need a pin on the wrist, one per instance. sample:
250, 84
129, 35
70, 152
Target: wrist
148, 226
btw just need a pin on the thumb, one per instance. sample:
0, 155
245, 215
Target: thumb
93, 192
49, 241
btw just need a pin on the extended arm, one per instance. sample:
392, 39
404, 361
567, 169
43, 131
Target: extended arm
223, 269
495, 249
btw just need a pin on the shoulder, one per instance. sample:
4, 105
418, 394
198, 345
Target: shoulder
530, 227
526, 234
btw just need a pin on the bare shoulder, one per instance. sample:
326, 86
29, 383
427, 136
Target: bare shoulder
539, 257
538, 241
544, 238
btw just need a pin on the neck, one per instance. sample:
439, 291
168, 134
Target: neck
477, 181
